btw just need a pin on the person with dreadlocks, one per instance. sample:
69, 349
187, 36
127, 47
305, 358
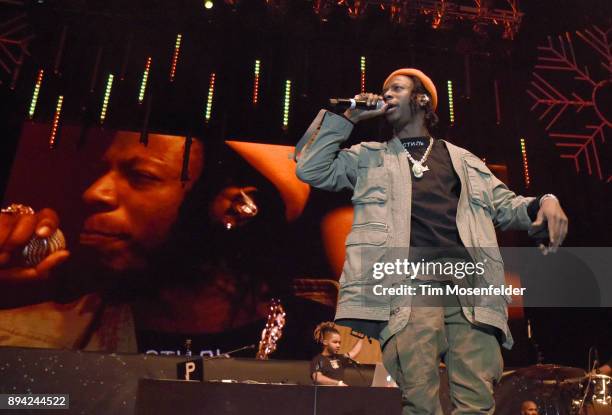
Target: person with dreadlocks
148, 270
415, 191
327, 368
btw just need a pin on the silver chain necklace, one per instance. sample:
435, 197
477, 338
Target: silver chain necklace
417, 166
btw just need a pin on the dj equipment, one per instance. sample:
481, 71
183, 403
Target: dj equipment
165, 397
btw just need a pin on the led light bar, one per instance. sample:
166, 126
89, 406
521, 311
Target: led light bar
286, 104
39, 79
56, 120
143, 83
107, 93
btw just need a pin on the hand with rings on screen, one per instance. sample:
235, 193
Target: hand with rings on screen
31, 245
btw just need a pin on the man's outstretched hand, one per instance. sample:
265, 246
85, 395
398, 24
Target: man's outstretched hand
551, 212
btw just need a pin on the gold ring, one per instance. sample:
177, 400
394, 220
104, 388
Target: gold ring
18, 209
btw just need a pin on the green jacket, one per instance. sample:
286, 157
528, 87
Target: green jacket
380, 177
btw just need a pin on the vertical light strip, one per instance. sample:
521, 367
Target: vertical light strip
525, 163
256, 82
497, 103
468, 77
56, 119
175, 56
287, 104
107, 93
451, 103
126, 57
36, 92
143, 84
94, 74
209, 99
60, 51
363, 73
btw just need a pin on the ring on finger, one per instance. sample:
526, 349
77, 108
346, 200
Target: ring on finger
17, 209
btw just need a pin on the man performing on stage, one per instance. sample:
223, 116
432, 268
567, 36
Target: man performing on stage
416, 191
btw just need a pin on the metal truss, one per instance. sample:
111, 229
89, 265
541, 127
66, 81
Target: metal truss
15, 38
441, 12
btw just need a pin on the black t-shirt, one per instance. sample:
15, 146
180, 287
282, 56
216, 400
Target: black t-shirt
435, 197
331, 366
302, 316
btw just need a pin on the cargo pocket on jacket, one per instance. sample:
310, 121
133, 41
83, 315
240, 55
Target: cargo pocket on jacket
365, 246
371, 186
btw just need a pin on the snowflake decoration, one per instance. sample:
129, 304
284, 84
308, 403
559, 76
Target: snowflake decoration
15, 38
558, 60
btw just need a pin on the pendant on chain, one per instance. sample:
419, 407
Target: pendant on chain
418, 169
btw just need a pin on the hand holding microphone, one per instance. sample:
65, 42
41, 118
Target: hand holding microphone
361, 107
31, 244
352, 103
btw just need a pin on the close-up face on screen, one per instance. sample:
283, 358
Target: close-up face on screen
328, 207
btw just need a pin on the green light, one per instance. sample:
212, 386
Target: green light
209, 99
36, 92
451, 106
256, 82
363, 74
287, 104
175, 56
143, 84
107, 93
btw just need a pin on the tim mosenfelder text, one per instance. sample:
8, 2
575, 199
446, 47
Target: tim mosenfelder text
450, 289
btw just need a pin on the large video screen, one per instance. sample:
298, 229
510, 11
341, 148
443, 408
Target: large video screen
174, 245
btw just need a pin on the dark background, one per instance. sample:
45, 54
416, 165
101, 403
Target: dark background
322, 60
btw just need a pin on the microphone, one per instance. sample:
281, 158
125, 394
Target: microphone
351, 103
38, 249
229, 354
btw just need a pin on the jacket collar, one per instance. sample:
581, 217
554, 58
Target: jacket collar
395, 146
